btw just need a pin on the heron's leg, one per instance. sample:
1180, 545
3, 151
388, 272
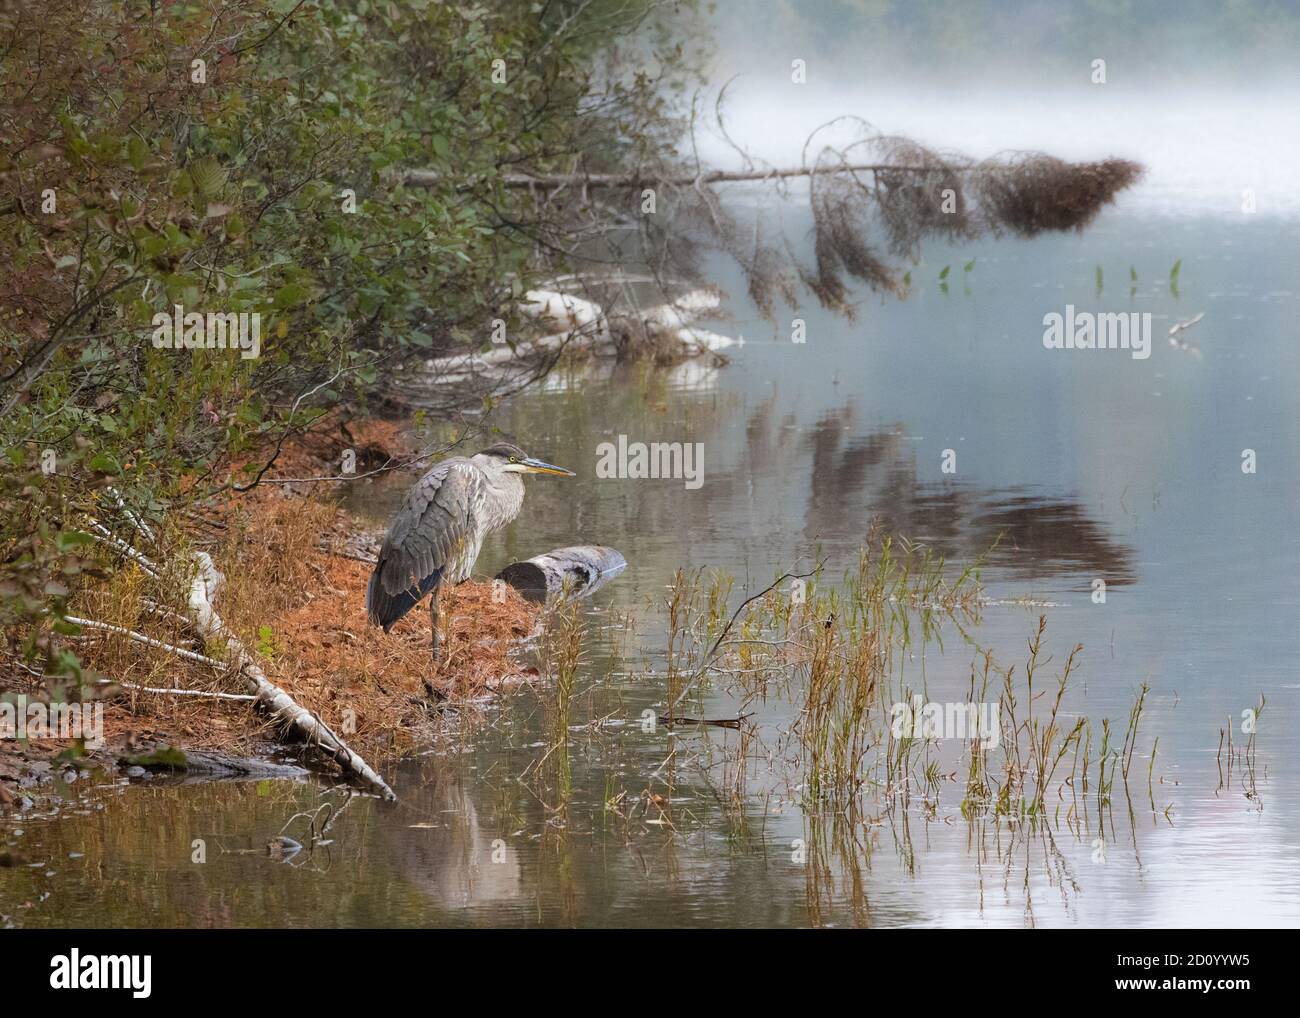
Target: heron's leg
433, 625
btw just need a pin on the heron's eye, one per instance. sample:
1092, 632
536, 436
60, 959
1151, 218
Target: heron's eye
514, 459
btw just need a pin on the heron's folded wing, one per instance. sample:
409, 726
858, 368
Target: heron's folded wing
436, 519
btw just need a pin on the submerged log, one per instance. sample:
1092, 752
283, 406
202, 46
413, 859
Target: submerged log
588, 321
565, 310
571, 572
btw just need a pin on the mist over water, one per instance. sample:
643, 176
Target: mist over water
1205, 95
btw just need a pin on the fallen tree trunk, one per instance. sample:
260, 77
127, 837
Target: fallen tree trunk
430, 178
586, 327
564, 572
279, 704
264, 693
872, 201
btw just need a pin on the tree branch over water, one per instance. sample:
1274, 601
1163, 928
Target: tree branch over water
873, 202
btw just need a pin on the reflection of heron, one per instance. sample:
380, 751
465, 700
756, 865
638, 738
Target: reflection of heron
438, 532
455, 859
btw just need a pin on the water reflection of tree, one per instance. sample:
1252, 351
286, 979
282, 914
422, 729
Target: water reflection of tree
834, 482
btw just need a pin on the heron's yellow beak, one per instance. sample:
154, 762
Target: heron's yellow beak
533, 466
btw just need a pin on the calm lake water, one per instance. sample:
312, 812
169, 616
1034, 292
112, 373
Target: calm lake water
1093, 464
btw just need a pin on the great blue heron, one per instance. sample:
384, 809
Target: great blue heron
437, 534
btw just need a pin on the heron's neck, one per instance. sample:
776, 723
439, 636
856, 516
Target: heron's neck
510, 486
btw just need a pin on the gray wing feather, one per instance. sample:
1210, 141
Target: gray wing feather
435, 521
439, 515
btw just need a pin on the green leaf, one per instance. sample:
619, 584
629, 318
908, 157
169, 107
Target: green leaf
208, 176
137, 152
288, 295
105, 464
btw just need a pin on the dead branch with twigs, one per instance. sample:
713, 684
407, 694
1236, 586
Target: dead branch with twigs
873, 201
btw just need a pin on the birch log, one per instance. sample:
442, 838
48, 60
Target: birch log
279, 704
583, 325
